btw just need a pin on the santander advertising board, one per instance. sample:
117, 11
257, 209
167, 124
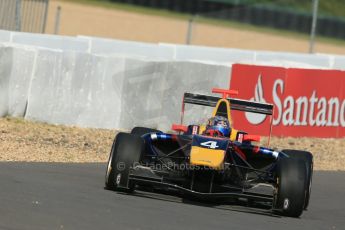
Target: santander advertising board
307, 102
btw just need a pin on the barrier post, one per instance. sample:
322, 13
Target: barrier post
18, 16
190, 30
313, 26
45, 16
57, 20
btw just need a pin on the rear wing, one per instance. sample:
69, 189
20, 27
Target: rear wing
235, 104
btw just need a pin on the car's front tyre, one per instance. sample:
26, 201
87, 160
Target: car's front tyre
125, 153
139, 131
307, 157
290, 187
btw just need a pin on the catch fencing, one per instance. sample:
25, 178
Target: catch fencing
24, 15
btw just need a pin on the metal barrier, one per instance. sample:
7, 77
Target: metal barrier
24, 15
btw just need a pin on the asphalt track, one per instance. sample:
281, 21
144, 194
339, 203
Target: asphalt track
71, 196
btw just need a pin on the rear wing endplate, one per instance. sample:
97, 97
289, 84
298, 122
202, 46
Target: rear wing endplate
235, 104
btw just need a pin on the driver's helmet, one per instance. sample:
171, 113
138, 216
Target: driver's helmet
218, 126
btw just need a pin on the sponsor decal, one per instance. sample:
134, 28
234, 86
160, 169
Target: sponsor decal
306, 102
154, 136
254, 118
240, 137
195, 129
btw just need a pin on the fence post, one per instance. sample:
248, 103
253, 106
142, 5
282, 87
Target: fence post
190, 30
57, 20
313, 26
18, 15
45, 16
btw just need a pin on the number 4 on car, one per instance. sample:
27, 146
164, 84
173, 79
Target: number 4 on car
210, 144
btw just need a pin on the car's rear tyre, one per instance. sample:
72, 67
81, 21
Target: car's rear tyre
125, 153
139, 131
307, 157
291, 186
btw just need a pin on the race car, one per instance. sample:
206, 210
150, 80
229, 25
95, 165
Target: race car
213, 160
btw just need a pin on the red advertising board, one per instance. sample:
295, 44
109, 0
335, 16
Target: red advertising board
307, 102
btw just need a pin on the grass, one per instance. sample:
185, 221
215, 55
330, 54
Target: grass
211, 21
335, 8
262, 29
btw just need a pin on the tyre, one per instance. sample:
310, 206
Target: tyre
307, 157
139, 131
291, 186
125, 152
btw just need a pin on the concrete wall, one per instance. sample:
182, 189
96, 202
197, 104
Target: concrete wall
128, 48
295, 59
102, 83
16, 67
153, 91
5, 75
76, 89
5, 36
338, 62
111, 92
210, 54
50, 41
168, 52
